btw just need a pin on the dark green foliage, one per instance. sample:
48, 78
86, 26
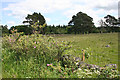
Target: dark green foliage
55, 29
22, 28
35, 17
110, 20
5, 30
81, 23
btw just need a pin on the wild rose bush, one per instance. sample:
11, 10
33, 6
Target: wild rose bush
35, 45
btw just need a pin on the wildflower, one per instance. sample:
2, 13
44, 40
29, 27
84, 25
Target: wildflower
17, 34
26, 48
65, 73
65, 66
107, 46
34, 46
10, 40
77, 63
59, 70
79, 69
48, 64
35, 42
13, 40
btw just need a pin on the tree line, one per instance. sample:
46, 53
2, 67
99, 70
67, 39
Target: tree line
80, 23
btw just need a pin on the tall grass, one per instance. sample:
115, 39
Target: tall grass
95, 44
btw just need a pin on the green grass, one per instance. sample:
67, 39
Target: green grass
100, 55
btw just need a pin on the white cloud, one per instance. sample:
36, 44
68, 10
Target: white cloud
96, 9
92, 9
10, 0
21, 9
10, 23
43, 6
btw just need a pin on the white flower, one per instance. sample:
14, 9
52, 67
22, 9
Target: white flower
97, 72
89, 73
77, 63
79, 69
28, 77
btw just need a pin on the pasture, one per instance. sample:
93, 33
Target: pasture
96, 45
101, 48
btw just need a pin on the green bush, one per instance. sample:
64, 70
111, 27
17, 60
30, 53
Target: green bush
35, 45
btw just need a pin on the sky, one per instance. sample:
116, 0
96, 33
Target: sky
57, 12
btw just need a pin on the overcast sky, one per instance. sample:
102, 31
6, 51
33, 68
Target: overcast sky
57, 12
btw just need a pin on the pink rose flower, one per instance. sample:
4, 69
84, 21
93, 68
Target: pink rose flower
48, 64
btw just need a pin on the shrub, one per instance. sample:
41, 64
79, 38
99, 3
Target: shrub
35, 45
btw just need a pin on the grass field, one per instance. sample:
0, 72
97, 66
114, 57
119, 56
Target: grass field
96, 44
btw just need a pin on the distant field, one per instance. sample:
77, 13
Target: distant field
96, 44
